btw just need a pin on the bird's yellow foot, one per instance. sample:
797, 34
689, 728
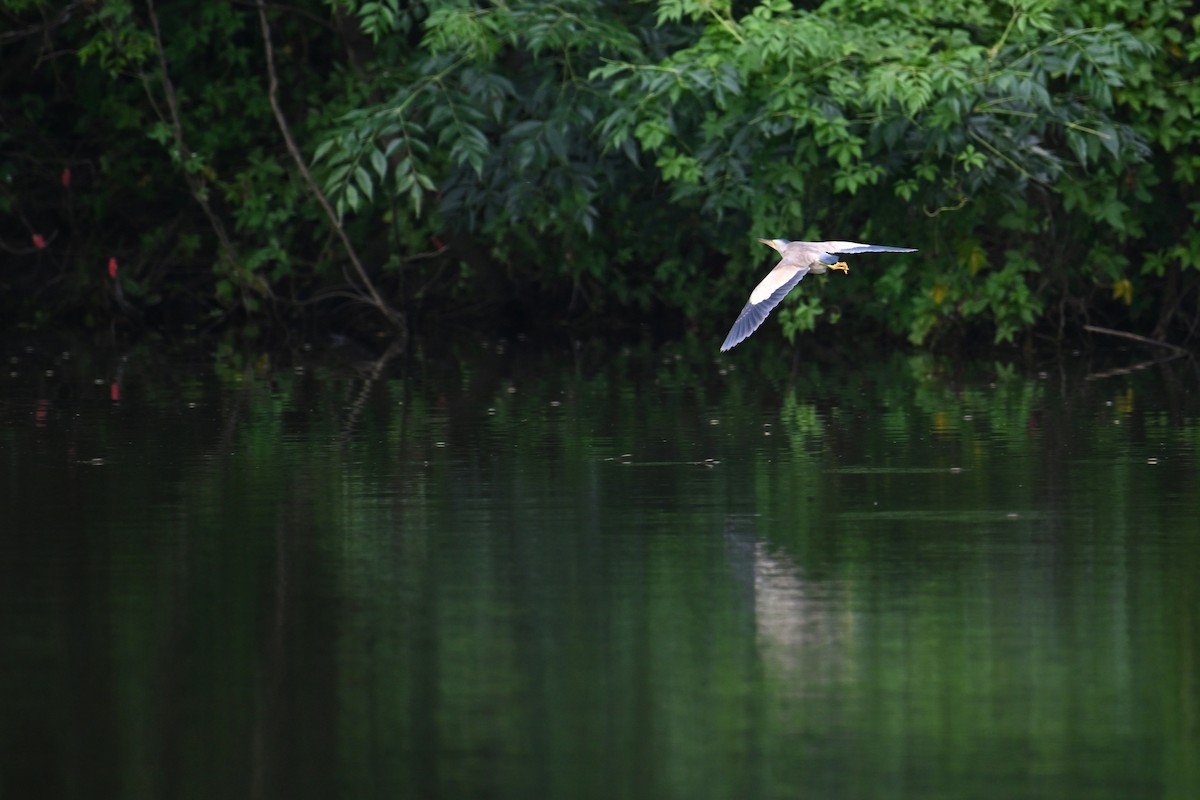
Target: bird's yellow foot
840, 265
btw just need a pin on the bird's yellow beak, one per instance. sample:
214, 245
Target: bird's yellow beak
769, 243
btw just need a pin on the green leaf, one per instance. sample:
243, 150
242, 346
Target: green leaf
379, 163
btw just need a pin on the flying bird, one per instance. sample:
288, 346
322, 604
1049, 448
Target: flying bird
799, 259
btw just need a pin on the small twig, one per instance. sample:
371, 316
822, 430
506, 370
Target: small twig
997, 152
1135, 337
994, 50
61, 17
393, 316
427, 254
727, 25
962, 202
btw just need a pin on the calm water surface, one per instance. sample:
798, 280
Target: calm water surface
580, 574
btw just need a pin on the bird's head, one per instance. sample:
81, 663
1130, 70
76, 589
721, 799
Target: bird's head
777, 244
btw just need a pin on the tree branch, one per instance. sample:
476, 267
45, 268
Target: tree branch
1135, 337
393, 316
196, 183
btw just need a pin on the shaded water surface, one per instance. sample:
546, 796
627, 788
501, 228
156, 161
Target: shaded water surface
642, 574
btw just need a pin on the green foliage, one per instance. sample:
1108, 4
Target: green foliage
804, 122
610, 157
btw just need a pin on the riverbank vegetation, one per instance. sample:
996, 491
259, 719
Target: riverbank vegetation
401, 165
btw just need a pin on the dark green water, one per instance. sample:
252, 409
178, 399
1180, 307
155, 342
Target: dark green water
574, 575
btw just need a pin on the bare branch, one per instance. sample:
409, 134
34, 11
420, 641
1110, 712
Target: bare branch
196, 182
372, 294
1135, 337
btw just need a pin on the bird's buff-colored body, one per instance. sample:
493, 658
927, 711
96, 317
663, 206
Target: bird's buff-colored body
798, 259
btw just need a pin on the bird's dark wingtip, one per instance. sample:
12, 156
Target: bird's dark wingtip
753, 314
747, 323
876, 248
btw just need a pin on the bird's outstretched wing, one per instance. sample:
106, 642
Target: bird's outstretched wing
765, 297
852, 248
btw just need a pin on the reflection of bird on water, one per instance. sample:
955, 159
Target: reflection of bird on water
799, 259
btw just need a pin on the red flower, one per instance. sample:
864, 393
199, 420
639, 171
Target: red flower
66, 177
39, 242
112, 268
